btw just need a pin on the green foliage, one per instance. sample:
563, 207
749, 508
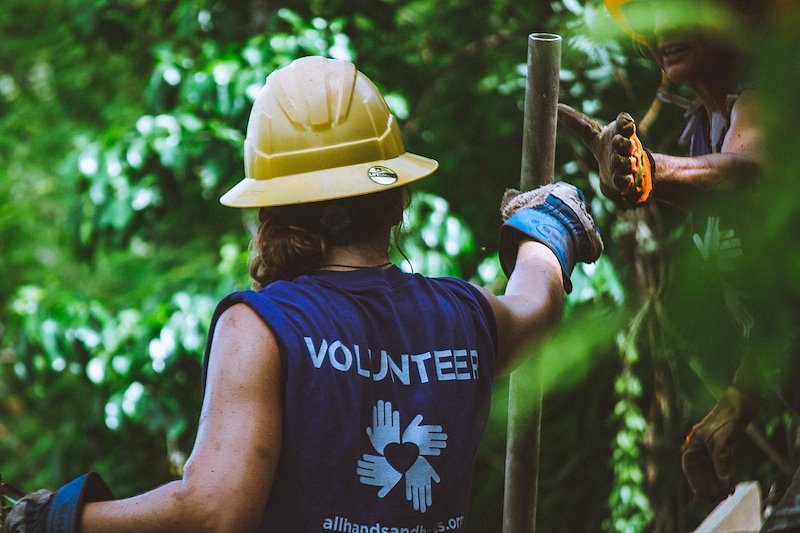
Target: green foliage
630, 506
121, 124
129, 217
189, 144
60, 344
433, 237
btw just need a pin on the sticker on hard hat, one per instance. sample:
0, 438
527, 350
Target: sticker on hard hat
382, 175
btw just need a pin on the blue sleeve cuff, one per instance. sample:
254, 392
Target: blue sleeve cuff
543, 226
63, 513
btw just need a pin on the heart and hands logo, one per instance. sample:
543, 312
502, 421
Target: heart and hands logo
401, 455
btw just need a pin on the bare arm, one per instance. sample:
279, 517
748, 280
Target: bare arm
532, 304
679, 180
228, 476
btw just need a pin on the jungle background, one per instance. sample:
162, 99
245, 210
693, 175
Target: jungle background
121, 124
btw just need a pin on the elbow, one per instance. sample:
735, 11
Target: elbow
196, 509
204, 509
739, 173
748, 172
735, 172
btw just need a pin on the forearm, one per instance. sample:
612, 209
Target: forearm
537, 278
228, 477
168, 508
535, 292
687, 181
546, 231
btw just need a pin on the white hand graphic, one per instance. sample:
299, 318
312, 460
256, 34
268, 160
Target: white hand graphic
418, 484
376, 471
385, 426
720, 246
429, 439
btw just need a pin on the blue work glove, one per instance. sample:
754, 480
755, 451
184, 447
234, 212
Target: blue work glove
554, 215
50, 512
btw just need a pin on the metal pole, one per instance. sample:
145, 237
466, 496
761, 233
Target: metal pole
541, 110
538, 167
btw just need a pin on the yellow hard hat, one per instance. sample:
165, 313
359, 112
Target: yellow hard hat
615, 9
320, 130
636, 17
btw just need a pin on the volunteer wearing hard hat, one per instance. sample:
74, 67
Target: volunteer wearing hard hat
695, 44
342, 393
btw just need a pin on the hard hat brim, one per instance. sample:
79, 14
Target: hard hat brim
614, 8
327, 184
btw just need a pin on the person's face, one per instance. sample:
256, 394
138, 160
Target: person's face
687, 56
680, 39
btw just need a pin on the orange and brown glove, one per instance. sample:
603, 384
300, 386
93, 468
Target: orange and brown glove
710, 452
627, 169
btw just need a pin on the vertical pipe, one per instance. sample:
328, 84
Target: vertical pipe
538, 168
541, 110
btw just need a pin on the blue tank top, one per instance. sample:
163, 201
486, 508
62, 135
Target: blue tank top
387, 379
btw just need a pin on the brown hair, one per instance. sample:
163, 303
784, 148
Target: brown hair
293, 240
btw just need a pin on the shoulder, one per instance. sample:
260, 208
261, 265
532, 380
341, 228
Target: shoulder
744, 134
241, 329
243, 350
265, 303
239, 316
745, 106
